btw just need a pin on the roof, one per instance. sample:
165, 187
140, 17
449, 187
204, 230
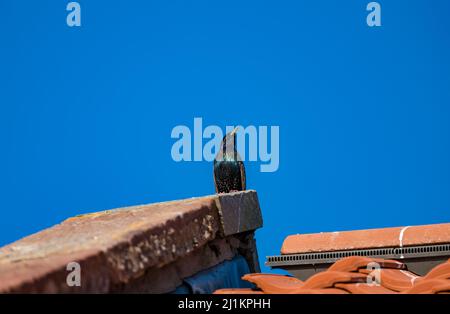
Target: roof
353, 275
412, 259
420, 247
147, 248
364, 239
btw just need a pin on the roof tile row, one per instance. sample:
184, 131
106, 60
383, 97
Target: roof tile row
370, 238
355, 275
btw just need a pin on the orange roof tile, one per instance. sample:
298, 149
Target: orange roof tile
364, 239
441, 271
364, 288
328, 279
394, 279
349, 275
358, 274
354, 263
238, 291
430, 286
272, 283
319, 291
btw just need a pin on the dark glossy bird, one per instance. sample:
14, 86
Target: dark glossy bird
229, 171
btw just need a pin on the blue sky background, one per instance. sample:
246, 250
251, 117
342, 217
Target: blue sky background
86, 113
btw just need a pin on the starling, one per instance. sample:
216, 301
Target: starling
229, 171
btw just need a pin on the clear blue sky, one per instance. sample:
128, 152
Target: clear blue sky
86, 113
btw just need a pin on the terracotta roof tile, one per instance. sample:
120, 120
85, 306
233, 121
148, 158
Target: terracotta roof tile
363, 239
351, 277
319, 291
394, 279
328, 279
430, 286
272, 283
441, 271
364, 288
354, 263
346, 269
238, 291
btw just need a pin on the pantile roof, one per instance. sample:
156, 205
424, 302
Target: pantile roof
364, 239
411, 259
353, 275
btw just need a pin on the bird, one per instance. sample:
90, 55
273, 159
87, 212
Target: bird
229, 170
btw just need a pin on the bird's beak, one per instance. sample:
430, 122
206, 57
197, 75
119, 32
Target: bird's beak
234, 131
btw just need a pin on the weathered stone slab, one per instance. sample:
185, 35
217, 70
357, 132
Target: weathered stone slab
239, 212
